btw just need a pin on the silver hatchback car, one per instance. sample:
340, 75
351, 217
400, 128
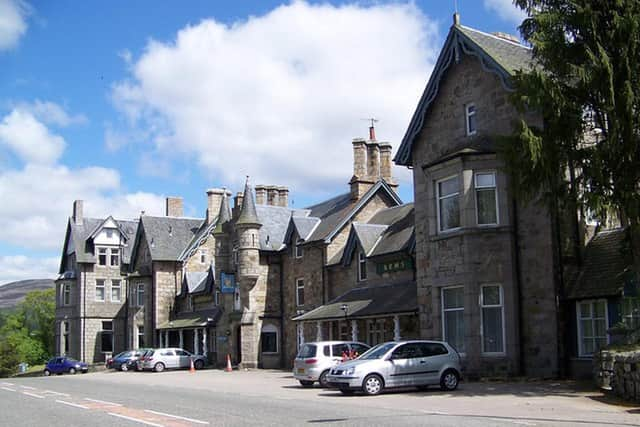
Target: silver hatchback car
159, 359
314, 359
399, 364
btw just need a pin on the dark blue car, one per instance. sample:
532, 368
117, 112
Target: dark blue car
125, 360
60, 365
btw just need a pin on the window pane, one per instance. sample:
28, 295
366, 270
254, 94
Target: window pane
472, 123
447, 187
600, 328
268, 342
491, 295
598, 308
454, 329
585, 310
492, 330
587, 328
449, 213
453, 297
485, 180
486, 201
107, 341
588, 346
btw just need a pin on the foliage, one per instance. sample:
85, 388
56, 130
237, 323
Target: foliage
27, 334
585, 84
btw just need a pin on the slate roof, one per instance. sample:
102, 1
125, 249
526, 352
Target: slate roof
198, 239
198, 282
304, 226
196, 319
248, 214
368, 235
167, 237
497, 55
80, 233
368, 302
275, 221
604, 267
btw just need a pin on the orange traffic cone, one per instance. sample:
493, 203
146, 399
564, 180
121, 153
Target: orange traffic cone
192, 368
228, 368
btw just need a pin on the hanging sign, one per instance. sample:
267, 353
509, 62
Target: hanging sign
227, 283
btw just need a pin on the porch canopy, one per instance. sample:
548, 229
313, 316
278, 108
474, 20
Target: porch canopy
367, 302
195, 319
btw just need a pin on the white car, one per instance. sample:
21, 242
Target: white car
315, 359
160, 359
399, 364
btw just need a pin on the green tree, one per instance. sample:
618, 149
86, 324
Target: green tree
585, 83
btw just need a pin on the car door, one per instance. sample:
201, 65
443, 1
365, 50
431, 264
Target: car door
169, 358
184, 358
437, 356
405, 365
339, 351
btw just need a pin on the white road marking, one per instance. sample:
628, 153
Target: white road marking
7, 388
135, 419
26, 387
75, 405
9, 384
32, 395
525, 423
57, 393
103, 401
176, 416
437, 413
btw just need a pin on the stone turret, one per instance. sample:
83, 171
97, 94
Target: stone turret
221, 234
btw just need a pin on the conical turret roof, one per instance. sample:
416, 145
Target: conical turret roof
248, 214
224, 215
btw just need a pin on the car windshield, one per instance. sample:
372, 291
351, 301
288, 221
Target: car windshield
378, 351
307, 350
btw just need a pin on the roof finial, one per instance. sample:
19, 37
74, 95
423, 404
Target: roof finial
372, 129
456, 15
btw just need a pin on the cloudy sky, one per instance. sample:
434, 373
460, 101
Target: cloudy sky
123, 103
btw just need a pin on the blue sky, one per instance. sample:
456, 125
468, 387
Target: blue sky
123, 103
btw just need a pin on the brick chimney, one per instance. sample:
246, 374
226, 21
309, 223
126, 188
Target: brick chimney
261, 194
77, 212
174, 206
214, 199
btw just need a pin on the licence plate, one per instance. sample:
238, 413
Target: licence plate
301, 370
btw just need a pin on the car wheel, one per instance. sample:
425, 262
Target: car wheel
306, 384
47, 372
449, 380
159, 367
72, 371
198, 364
124, 367
372, 385
323, 379
346, 391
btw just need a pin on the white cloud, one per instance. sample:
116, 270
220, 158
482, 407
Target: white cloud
30, 139
280, 96
20, 267
51, 113
13, 22
506, 10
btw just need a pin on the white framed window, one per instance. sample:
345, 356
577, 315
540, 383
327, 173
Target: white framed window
140, 294
362, 266
299, 292
102, 256
140, 335
106, 337
66, 294
592, 326
630, 311
453, 317
100, 290
448, 192
237, 302
299, 251
109, 232
114, 258
486, 198
116, 291
470, 119
269, 339
203, 256
492, 319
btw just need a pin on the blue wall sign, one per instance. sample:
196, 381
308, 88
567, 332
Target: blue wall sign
227, 283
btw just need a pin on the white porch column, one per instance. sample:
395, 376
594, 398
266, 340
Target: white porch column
160, 338
166, 338
204, 342
354, 330
181, 338
318, 331
396, 328
195, 342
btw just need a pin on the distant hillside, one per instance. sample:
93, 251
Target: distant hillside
12, 293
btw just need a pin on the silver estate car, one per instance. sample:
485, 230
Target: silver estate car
159, 359
399, 364
314, 359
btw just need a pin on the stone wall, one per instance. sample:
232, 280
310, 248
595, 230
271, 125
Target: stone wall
619, 372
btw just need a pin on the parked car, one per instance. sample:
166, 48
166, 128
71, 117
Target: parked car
399, 364
60, 365
315, 359
159, 359
125, 360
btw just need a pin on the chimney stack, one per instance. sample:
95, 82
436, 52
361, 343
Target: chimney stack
174, 207
386, 164
77, 212
214, 199
273, 196
373, 160
284, 196
261, 194
359, 158
237, 204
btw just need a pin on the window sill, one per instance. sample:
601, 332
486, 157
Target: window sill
466, 231
493, 355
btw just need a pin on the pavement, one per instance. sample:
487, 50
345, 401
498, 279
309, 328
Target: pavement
272, 397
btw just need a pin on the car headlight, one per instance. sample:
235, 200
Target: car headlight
78, 366
349, 371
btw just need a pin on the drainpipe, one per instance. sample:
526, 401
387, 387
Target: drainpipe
283, 341
518, 287
84, 313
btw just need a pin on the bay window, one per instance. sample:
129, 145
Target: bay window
448, 192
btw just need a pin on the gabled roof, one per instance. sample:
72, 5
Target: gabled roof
167, 237
303, 226
198, 239
605, 267
364, 236
275, 221
198, 282
77, 240
497, 55
100, 226
337, 212
368, 302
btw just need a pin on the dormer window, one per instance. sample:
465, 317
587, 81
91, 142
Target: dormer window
299, 250
362, 266
470, 119
102, 256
